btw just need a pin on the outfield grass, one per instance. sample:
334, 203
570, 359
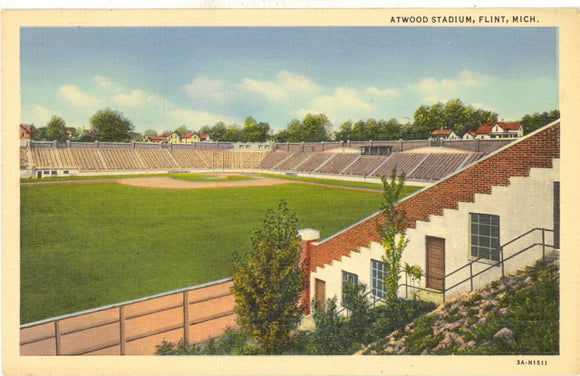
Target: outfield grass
88, 245
88, 177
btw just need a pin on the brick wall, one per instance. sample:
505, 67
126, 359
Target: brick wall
537, 150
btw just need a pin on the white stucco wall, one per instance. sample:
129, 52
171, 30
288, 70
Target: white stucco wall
357, 263
525, 204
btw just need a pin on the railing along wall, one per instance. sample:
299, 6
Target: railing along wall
468, 268
193, 314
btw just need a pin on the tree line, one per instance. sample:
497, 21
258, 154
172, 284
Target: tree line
112, 126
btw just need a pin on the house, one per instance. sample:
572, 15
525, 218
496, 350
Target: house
155, 139
204, 137
499, 130
27, 131
190, 138
469, 135
490, 218
171, 138
444, 134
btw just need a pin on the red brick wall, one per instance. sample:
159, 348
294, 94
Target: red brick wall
537, 151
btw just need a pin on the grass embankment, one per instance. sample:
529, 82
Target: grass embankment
407, 189
512, 316
88, 245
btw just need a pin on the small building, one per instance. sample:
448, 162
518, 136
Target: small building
155, 139
204, 137
499, 130
465, 231
27, 131
444, 134
171, 138
190, 138
469, 135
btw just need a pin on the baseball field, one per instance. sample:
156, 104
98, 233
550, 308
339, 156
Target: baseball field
90, 244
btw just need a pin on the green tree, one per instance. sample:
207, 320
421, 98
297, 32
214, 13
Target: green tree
393, 233
452, 115
254, 131
268, 281
233, 133
344, 132
150, 133
40, 134
282, 136
532, 122
111, 126
181, 130
313, 128
55, 130
216, 132
392, 129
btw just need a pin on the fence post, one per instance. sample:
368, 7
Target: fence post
471, 275
122, 330
57, 337
502, 263
186, 318
543, 245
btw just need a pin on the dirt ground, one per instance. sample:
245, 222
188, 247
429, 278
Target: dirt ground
170, 183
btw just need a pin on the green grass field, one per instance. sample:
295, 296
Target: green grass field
88, 245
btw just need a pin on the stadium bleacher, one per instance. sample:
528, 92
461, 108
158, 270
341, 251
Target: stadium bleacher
425, 165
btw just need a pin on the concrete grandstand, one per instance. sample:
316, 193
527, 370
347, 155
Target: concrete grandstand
420, 160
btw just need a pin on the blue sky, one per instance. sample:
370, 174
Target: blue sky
162, 78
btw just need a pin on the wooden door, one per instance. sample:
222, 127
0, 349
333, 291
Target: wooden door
320, 294
435, 264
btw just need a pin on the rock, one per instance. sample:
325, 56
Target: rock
481, 321
504, 334
503, 310
528, 281
425, 352
470, 345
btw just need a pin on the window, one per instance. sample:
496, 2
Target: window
484, 236
376, 150
377, 283
346, 278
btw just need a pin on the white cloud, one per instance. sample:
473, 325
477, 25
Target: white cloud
383, 94
76, 97
207, 88
41, 116
342, 98
433, 90
266, 88
138, 98
287, 84
342, 105
108, 84
196, 119
295, 82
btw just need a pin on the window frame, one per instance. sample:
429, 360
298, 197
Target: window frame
378, 289
348, 278
485, 231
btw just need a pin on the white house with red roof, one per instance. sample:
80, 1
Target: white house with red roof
190, 138
470, 135
155, 139
27, 131
444, 134
498, 130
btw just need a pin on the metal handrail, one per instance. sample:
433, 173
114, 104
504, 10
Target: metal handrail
501, 262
